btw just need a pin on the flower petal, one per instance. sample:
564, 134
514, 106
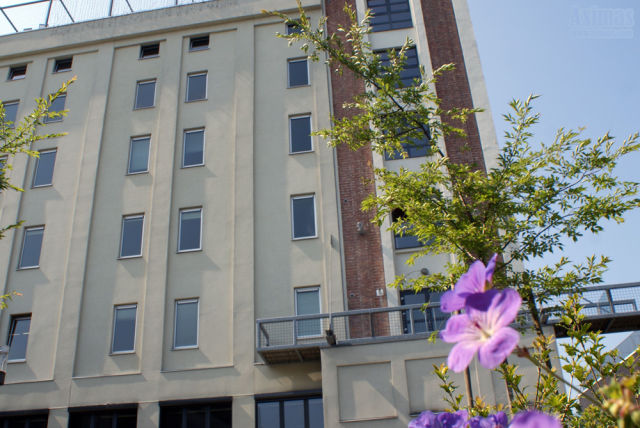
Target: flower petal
457, 329
534, 419
507, 306
453, 420
451, 301
491, 266
426, 419
481, 302
461, 355
473, 280
498, 347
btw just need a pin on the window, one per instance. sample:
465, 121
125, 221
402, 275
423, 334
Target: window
411, 69
131, 237
190, 233
293, 28
145, 94
149, 51
31, 245
197, 86
199, 43
10, 113
193, 148
18, 337
56, 107
138, 155
404, 239
389, 14
308, 303
124, 329
62, 64
18, 72
300, 412
414, 147
186, 324
108, 418
303, 216
24, 421
43, 175
300, 134
298, 72
216, 414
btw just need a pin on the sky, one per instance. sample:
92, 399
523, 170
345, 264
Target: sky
583, 58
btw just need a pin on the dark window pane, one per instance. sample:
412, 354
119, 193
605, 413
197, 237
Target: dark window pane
131, 236
150, 51
196, 87
304, 221
196, 418
31, 246
10, 113
389, 14
190, 223
56, 106
103, 421
411, 70
127, 421
145, 94
17, 73
44, 168
139, 155
18, 338
170, 417
300, 128
269, 414
124, 329
316, 415
298, 73
220, 417
198, 43
294, 414
63, 64
193, 148
293, 29
186, 333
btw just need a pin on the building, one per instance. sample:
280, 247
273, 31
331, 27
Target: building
188, 211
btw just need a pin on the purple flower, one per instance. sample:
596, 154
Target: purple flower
534, 419
429, 419
483, 328
499, 420
470, 283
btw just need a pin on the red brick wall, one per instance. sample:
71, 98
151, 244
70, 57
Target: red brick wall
453, 86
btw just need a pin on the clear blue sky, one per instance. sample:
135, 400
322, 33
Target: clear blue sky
583, 58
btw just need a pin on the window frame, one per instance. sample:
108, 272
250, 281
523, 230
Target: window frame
206, 86
307, 289
142, 82
294, 117
305, 396
298, 59
12, 326
197, 38
11, 103
393, 25
315, 216
35, 170
12, 76
144, 46
135, 328
62, 96
190, 300
131, 140
24, 237
58, 61
186, 210
184, 144
124, 218
385, 61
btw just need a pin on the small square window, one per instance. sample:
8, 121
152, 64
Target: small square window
298, 72
190, 233
31, 246
300, 134
131, 236
43, 175
199, 43
56, 107
62, 64
303, 216
138, 155
308, 303
197, 86
10, 113
18, 72
18, 337
186, 324
193, 148
150, 51
124, 329
145, 94
293, 28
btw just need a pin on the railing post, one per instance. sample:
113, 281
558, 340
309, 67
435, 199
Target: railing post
295, 332
411, 326
373, 331
613, 309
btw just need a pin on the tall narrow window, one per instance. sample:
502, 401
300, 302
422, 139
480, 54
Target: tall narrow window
138, 155
151, 50
186, 324
389, 14
43, 175
298, 72
56, 107
145, 94
124, 329
410, 73
199, 43
300, 134
404, 239
131, 237
17, 72
303, 216
62, 64
308, 303
193, 148
197, 86
190, 233
31, 245
18, 337
10, 113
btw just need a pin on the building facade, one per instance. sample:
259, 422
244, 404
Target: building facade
187, 243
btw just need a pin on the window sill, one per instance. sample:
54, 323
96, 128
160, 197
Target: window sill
205, 48
137, 173
302, 238
194, 250
115, 354
299, 86
62, 71
21, 360
144, 108
195, 101
408, 250
13, 79
28, 267
301, 152
149, 57
184, 348
192, 166
42, 185
137, 256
